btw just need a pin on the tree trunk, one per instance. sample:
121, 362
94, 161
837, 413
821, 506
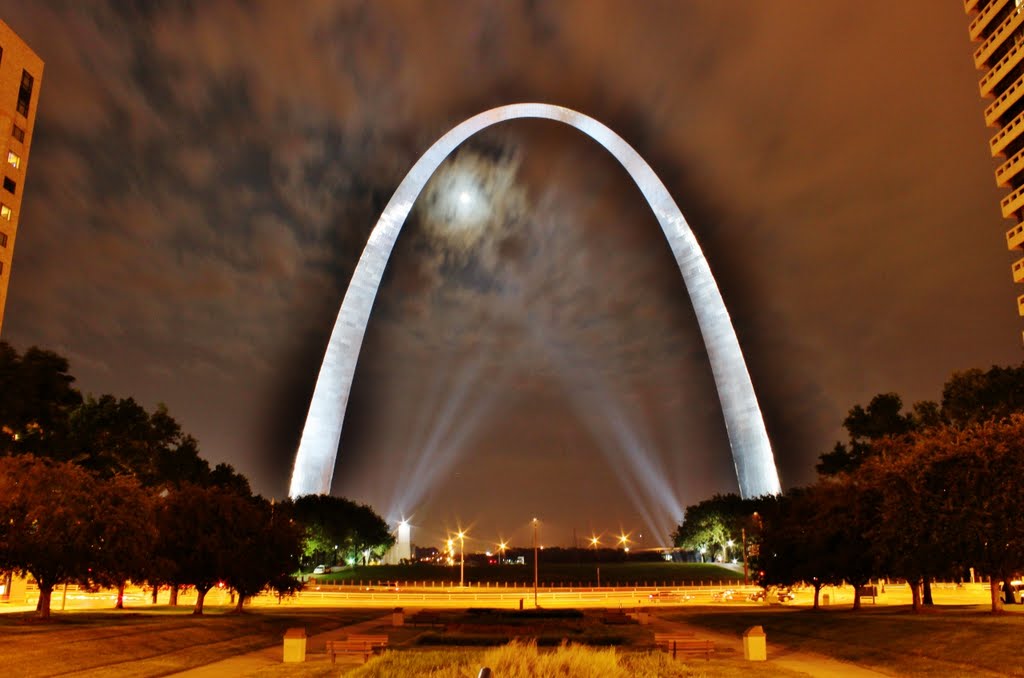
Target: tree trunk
856, 597
43, 606
238, 606
119, 605
928, 591
915, 594
995, 588
173, 602
156, 592
200, 598
817, 590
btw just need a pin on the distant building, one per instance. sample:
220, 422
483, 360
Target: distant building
998, 25
21, 75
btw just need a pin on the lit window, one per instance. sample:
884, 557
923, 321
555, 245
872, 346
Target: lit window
13, 159
5, 212
9, 185
18, 133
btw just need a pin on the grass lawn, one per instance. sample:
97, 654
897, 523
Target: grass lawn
950, 641
650, 574
524, 660
156, 642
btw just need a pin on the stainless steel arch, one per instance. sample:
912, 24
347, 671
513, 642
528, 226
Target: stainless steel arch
318, 448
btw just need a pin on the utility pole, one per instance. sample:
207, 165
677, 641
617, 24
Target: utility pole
535, 563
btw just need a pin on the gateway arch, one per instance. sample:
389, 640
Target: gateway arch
318, 448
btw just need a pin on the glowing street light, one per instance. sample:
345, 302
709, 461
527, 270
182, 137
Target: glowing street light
462, 557
594, 541
501, 552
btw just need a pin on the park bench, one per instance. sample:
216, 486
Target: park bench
684, 644
616, 617
425, 618
360, 645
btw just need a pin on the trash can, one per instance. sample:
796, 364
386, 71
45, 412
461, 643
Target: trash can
755, 644
295, 645
397, 617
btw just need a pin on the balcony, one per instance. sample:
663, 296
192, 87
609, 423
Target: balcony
1018, 271
1020, 304
984, 17
1006, 135
970, 5
1015, 237
1009, 169
1011, 203
1008, 25
1005, 100
989, 81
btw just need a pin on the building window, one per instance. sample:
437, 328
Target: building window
25, 93
3, 239
13, 159
5, 212
9, 185
18, 133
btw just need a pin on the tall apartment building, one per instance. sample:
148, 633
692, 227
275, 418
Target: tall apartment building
21, 74
998, 25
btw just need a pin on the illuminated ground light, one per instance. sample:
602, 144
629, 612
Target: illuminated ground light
318, 448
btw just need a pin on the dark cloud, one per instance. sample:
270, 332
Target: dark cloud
204, 177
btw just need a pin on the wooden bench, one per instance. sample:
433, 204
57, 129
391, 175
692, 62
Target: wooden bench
359, 645
426, 618
684, 644
616, 617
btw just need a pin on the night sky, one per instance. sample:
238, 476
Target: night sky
205, 174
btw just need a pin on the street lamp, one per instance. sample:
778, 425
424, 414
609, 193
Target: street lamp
535, 563
462, 557
501, 552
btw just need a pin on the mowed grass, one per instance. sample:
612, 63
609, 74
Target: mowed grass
157, 642
525, 660
949, 641
617, 574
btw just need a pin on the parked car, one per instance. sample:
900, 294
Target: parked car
319, 569
669, 596
1013, 593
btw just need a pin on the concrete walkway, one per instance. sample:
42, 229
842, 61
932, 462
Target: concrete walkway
816, 665
253, 662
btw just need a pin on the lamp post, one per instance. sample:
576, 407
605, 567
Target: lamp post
462, 557
746, 574
501, 552
535, 563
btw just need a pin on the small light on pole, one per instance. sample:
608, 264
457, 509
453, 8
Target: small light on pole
462, 557
535, 563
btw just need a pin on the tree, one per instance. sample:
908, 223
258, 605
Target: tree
882, 417
267, 544
799, 541
124, 541
336, 528
36, 397
716, 525
974, 396
59, 523
951, 500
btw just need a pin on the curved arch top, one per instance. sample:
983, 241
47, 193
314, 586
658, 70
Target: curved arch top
318, 448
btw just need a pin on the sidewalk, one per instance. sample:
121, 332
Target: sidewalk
253, 662
816, 665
